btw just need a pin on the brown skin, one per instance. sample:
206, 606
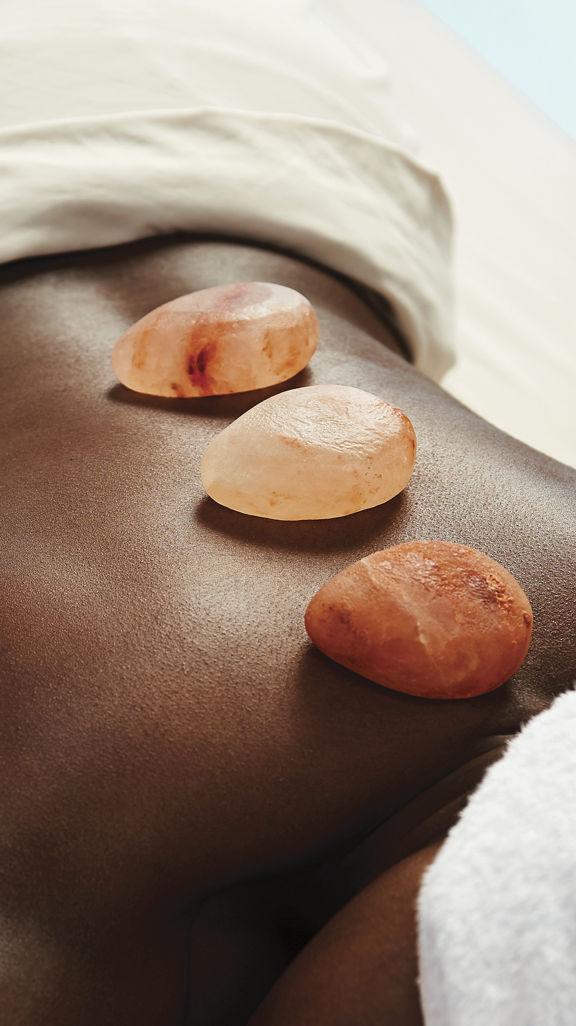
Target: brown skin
190, 790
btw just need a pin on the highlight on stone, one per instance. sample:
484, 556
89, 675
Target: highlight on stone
428, 618
230, 338
311, 453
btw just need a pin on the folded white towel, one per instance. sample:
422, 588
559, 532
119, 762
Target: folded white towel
497, 909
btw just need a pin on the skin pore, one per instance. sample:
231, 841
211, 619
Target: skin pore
192, 798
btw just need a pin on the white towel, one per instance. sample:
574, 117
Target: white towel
497, 909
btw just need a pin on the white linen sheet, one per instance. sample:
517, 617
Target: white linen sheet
511, 176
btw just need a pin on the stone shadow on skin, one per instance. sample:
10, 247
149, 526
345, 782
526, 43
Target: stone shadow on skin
379, 527
329, 677
336, 702
224, 407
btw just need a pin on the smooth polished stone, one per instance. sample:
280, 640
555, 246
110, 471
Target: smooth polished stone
428, 618
230, 338
311, 454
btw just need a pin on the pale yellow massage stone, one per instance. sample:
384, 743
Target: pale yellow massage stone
311, 453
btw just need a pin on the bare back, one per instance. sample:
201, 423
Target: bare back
168, 732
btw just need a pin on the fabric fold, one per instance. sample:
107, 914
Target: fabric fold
335, 194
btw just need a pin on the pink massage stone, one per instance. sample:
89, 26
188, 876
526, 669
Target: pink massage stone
230, 338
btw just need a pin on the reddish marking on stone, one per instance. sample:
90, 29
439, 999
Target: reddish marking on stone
197, 368
267, 348
177, 391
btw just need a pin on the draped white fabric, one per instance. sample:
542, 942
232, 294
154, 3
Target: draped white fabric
122, 120
510, 175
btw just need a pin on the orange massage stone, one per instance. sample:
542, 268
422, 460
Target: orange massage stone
428, 618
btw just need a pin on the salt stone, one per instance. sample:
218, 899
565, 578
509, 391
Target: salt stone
431, 619
310, 454
225, 339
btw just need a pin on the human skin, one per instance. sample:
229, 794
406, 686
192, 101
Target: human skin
189, 790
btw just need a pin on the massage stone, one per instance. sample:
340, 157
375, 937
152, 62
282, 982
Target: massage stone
225, 339
311, 453
428, 618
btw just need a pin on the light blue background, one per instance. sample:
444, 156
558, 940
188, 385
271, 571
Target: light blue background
532, 43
